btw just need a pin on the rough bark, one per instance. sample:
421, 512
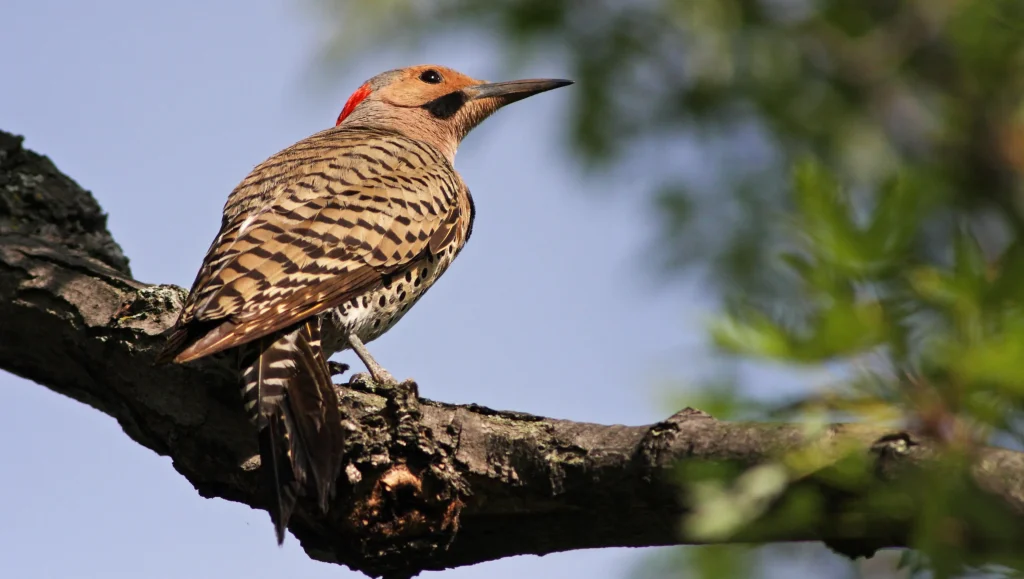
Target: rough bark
427, 485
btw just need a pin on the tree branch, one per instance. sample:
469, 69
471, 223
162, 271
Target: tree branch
427, 485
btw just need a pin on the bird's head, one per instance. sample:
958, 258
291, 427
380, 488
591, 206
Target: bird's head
434, 103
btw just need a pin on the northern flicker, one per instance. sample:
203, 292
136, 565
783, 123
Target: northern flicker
324, 247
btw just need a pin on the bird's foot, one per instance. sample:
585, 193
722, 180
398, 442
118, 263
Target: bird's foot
337, 368
383, 377
369, 381
403, 402
386, 386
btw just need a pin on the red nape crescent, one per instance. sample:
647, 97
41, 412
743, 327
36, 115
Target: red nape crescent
353, 101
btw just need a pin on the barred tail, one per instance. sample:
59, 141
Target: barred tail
288, 394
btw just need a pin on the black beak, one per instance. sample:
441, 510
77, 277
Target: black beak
513, 90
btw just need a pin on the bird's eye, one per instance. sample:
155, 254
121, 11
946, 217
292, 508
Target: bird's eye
430, 76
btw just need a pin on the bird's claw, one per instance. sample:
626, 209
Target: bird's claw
383, 377
337, 368
383, 384
366, 382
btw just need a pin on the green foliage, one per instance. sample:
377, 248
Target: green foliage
953, 323
945, 335
849, 261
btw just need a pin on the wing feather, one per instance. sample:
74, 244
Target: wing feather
312, 227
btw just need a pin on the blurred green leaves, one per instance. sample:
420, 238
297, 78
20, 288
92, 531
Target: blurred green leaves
944, 330
721, 511
842, 248
951, 318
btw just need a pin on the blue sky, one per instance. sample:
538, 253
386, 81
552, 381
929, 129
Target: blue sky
160, 108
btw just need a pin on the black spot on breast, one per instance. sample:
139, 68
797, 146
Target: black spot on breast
376, 323
402, 296
382, 301
408, 276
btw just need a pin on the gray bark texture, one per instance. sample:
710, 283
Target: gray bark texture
427, 485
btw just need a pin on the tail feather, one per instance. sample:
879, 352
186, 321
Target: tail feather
289, 396
318, 416
286, 487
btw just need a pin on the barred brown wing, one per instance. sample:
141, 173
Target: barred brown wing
318, 224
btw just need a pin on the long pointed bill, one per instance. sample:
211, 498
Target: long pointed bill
513, 90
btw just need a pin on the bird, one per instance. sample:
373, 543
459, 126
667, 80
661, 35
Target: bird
322, 248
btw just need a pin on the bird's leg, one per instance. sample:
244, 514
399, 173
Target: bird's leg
402, 399
379, 374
